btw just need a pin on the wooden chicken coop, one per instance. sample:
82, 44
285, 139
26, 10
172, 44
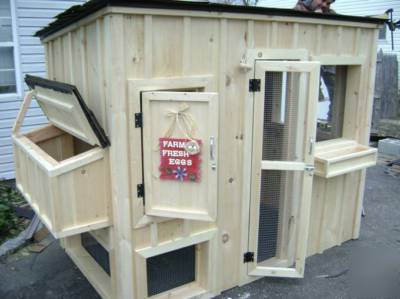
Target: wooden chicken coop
186, 151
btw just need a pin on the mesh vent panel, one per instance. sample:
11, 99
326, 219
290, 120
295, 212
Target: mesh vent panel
170, 270
280, 117
281, 142
269, 224
280, 191
97, 252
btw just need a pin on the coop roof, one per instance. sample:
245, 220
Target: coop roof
78, 12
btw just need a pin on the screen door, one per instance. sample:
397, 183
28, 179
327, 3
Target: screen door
180, 146
282, 166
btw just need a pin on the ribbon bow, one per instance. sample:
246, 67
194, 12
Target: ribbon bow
182, 119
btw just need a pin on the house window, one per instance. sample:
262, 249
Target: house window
7, 64
382, 33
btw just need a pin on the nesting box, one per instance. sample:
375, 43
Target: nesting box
59, 165
187, 151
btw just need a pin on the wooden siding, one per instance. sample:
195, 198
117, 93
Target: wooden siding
32, 15
127, 47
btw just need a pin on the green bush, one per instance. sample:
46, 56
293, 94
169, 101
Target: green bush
8, 219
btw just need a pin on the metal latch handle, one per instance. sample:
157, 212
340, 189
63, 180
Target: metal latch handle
212, 154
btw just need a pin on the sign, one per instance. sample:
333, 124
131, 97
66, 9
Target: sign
176, 162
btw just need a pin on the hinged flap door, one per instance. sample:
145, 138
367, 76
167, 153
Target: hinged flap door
180, 153
282, 166
65, 108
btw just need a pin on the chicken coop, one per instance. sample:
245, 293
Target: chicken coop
194, 147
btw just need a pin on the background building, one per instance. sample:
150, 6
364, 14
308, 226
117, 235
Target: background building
359, 8
20, 54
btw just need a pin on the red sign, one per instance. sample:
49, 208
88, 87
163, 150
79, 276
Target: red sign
176, 163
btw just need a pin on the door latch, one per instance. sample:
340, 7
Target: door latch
309, 168
212, 153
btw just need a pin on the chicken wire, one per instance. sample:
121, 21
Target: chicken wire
281, 142
170, 270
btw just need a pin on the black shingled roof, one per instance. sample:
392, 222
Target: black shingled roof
78, 12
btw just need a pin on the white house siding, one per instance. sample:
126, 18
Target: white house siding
30, 16
358, 8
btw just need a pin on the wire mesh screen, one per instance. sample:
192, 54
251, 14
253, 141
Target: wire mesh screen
96, 251
269, 222
170, 270
279, 207
281, 142
281, 117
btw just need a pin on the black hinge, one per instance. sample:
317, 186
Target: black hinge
138, 120
254, 85
248, 257
140, 190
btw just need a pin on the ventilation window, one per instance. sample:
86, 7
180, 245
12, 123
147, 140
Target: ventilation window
341, 97
280, 117
170, 270
96, 251
279, 189
332, 93
382, 33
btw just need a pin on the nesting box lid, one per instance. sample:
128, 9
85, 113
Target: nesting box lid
66, 109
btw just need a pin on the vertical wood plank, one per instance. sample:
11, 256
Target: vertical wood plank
369, 79
366, 127
168, 46
64, 60
70, 58
268, 35
357, 42
117, 123
340, 197
100, 73
58, 67
318, 40
274, 35
154, 234
84, 65
262, 39
250, 34
148, 46
231, 141
94, 71
222, 99
339, 39
349, 205
187, 42
317, 213
204, 55
134, 46
50, 60
295, 35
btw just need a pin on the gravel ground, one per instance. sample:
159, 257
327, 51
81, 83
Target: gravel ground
365, 268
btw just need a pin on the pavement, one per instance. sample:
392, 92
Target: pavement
365, 268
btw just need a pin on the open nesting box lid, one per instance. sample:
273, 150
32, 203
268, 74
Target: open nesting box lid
65, 109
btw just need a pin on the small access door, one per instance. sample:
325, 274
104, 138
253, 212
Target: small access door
285, 99
180, 137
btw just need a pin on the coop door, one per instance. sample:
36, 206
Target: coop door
180, 138
282, 164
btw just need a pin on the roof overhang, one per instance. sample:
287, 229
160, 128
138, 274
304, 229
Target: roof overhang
79, 12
